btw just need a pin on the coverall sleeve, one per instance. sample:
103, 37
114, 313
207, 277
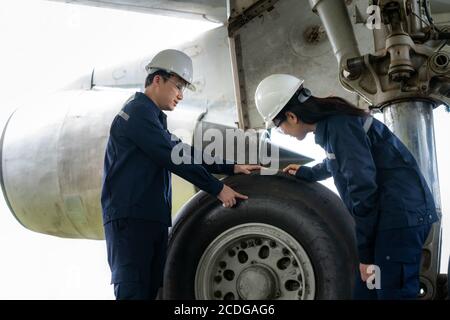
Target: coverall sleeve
354, 158
317, 173
150, 136
218, 166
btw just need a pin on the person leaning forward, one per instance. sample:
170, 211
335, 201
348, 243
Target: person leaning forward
136, 186
376, 176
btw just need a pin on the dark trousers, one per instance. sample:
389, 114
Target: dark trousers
136, 255
397, 254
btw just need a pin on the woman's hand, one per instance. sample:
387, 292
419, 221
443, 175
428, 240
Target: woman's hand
291, 169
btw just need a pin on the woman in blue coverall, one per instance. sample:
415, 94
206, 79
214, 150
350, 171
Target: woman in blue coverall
376, 176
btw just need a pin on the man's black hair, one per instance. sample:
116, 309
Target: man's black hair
162, 73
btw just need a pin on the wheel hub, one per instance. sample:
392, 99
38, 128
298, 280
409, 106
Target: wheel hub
254, 262
257, 282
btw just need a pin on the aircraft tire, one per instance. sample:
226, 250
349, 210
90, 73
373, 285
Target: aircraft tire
287, 227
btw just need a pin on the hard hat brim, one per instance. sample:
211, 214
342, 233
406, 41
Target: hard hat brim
191, 87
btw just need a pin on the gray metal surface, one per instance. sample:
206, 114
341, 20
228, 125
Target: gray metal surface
52, 161
208, 10
408, 62
2, 181
240, 12
335, 18
440, 6
412, 122
288, 39
246, 146
255, 262
212, 76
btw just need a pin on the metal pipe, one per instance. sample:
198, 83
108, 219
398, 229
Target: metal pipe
379, 38
426, 5
415, 21
412, 123
336, 21
234, 45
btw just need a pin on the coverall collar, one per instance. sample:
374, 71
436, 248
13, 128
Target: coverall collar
161, 115
320, 132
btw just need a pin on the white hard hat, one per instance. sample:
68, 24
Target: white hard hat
273, 93
173, 61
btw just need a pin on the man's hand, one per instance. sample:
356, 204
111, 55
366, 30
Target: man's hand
228, 196
291, 169
245, 168
363, 271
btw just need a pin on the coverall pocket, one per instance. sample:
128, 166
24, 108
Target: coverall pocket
410, 276
399, 279
400, 273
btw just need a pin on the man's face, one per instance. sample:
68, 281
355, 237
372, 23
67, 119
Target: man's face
170, 92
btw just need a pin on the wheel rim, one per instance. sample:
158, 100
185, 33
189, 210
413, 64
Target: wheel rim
254, 262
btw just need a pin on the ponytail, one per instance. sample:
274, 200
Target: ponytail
316, 109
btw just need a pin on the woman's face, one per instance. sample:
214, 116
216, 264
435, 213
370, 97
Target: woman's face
294, 127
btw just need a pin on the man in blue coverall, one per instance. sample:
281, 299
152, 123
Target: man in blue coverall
136, 193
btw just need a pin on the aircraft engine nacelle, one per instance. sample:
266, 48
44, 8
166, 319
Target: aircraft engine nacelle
52, 161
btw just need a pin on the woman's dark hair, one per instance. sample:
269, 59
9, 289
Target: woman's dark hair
151, 76
316, 109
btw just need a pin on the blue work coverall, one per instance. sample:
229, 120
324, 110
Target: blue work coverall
380, 183
136, 195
